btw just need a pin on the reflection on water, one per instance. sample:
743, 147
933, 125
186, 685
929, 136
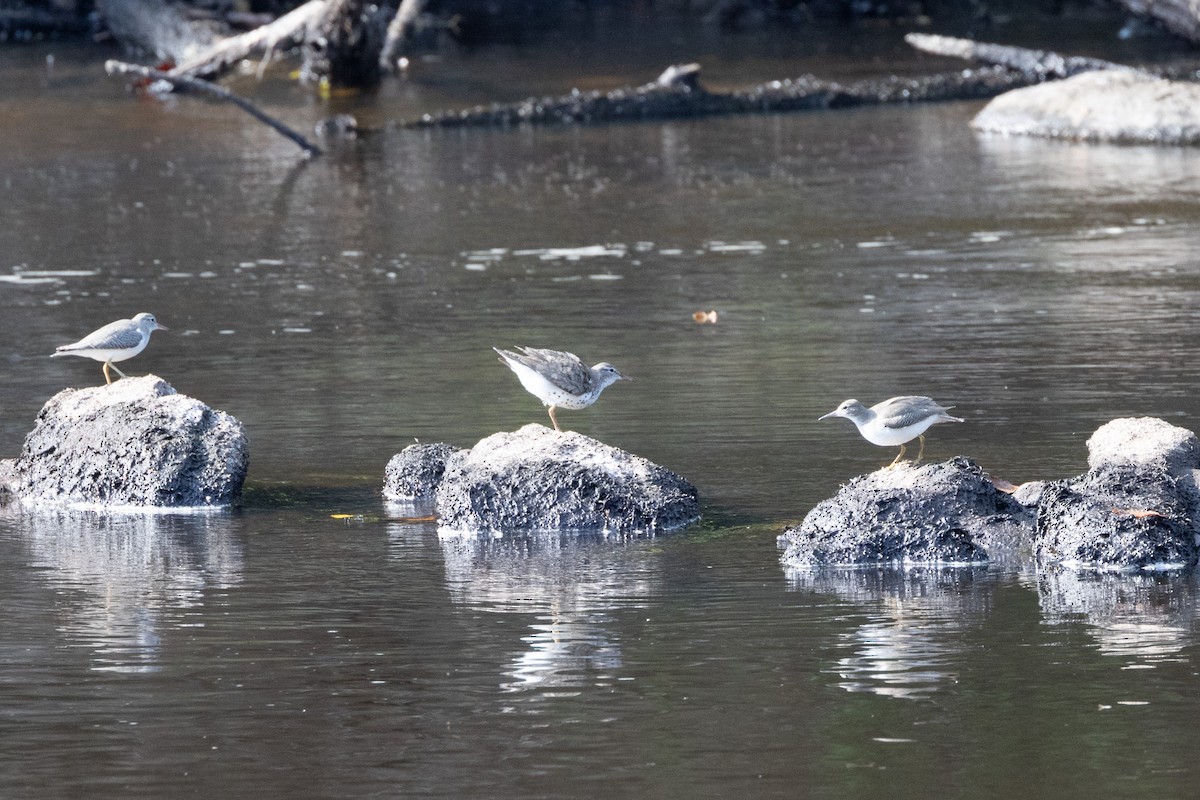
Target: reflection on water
912, 635
568, 585
343, 307
118, 579
1142, 617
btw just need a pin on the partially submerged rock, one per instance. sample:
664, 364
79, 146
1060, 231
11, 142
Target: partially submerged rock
947, 513
536, 479
1137, 506
135, 442
413, 474
1116, 105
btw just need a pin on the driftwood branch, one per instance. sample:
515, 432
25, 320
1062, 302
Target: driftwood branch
1033, 62
197, 84
399, 29
284, 32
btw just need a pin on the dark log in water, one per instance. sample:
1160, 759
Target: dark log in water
19, 21
672, 97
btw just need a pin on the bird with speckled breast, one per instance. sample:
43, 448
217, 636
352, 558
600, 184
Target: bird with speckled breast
559, 379
895, 421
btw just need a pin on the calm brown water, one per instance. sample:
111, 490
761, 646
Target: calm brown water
343, 307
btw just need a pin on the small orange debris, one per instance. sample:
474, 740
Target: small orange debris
702, 317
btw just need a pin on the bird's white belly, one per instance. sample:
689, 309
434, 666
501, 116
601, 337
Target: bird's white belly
875, 433
108, 355
546, 391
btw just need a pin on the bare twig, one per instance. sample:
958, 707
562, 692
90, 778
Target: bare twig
1039, 62
196, 84
398, 30
283, 32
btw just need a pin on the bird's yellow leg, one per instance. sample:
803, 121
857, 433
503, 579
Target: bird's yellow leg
554, 419
107, 377
921, 451
899, 456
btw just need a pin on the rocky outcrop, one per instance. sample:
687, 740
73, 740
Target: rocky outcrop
1137, 506
135, 442
536, 479
1118, 105
947, 513
413, 474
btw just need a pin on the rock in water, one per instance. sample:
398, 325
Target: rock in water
535, 479
947, 513
1137, 506
1107, 105
135, 442
413, 474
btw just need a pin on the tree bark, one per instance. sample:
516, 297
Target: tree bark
344, 44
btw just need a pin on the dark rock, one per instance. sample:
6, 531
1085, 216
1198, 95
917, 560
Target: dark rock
135, 442
1110, 105
413, 474
947, 513
1137, 507
536, 479
339, 126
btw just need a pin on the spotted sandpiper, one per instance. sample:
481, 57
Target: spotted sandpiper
116, 341
895, 421
559, 379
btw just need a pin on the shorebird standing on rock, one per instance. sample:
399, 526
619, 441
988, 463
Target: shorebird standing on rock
895, 421
116, 341
560, 379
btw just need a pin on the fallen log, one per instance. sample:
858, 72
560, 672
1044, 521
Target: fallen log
678, 93
1045, 63
221, 93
